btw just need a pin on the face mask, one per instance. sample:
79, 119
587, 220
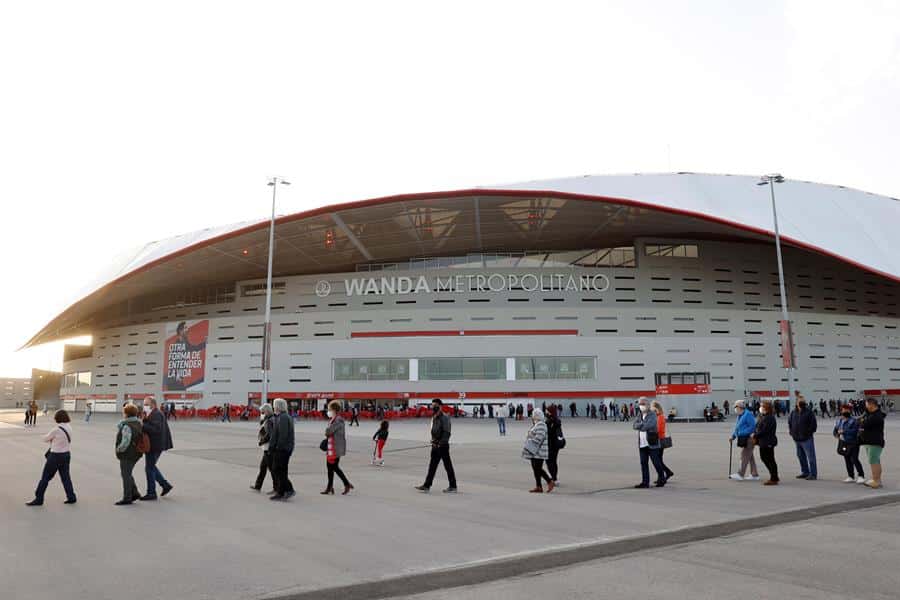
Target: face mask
330, 414
435, 409
644, 408
148, 409
845, 415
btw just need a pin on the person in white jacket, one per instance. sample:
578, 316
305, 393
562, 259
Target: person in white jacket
58, 458
501, 412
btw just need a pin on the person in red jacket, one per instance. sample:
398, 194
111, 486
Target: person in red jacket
663, 435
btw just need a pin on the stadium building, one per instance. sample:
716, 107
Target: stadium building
572, 290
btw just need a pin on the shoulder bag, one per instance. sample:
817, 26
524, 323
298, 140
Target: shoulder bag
665, 442
68, 437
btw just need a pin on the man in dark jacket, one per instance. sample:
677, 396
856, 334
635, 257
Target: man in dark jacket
440, 449
157, 429
802, 426
281, 446
871, 436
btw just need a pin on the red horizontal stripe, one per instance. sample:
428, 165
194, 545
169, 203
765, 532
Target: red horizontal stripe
453, 395
893, 392
462, 332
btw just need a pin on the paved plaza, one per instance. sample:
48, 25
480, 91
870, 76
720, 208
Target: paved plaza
215, 538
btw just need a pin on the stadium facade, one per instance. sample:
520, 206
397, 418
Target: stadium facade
574, 290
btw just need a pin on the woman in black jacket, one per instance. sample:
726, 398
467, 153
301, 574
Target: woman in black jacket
871, 437
764, 437
555, 443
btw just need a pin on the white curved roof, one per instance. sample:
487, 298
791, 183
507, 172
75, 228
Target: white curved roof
856, 226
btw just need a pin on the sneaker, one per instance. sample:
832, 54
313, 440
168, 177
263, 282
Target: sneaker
423, 488
277, 497
641, 486
124, 502
849, 480
147, 497
753, 478
290, 494
860, 480
166, 490
736, 477
73, 501
450, 490
802, 476
34, 503
811, 478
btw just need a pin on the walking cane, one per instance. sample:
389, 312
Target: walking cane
730, 451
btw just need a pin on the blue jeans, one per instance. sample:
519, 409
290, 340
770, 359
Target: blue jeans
153, 474
651, 455
806, 454
56, 462
501, 423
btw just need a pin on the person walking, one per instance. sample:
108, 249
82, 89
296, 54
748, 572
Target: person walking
764, 437
502, 413
34, 412
744, 427
802, 427
281, 446
88, 412
556, 441
380, 439
263, 436
354, 416
645, 424
664, 440
725, 407
58, 458
157, 429
129, 433
846, 431
536, 451
335, 448
871, 437
440, 449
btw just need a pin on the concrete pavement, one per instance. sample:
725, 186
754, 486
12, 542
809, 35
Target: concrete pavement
213, 538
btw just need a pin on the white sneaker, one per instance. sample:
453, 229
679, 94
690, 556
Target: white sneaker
849, 480
753, 478
736, 477
868, 482
860, 480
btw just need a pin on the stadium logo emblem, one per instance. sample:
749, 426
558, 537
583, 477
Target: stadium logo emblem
323, 288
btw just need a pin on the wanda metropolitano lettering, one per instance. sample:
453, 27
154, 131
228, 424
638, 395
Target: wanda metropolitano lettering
479, 282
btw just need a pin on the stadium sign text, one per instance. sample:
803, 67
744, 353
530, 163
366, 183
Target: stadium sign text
480, 282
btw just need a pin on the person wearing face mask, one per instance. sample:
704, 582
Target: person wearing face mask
535, 451
802, 426
871, 437
336, 437
157, 429
281, 446
645, 424
743, 430
263, 436
846, 430
764, 437
440, 449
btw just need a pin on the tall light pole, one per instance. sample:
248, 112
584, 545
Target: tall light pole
787, 337
274, 182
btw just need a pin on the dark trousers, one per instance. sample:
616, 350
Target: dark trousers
665, 467
851, 460
58, 462
129, 487
552, 464
440, 454
280, 481
537, 466
651, 455
264, 465
767, 455
354, 419
153, 474
334, 468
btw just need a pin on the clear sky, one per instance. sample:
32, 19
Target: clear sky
122, 123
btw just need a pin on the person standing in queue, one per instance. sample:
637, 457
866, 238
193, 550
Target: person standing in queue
157, 429
281, 446
58, 459
743, 430
536, 451
871, 437
129, 432
440, 449
802, 426
336, 436
556, 441
764, 437
645, 424
664, 439
846, 431
266, 422
502, 412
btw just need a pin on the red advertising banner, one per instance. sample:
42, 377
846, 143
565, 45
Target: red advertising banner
673, 389
185, 355
787, 345
183, 396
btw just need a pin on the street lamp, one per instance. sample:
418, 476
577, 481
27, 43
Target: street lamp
787, 338
274, 182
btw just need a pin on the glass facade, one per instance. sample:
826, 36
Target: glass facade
555, 367
371, 369
622, 257
460, 369
672, 250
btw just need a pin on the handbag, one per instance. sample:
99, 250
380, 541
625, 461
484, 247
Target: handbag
843, 448
323, 446
665, 442
742, 441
